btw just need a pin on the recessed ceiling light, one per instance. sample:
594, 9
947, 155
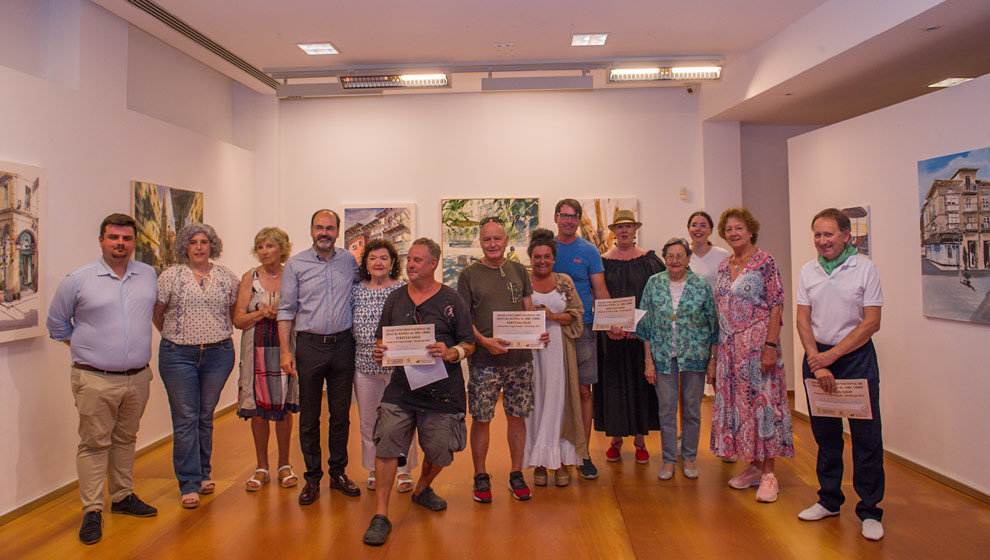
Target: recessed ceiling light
588, 39
318, 48
949, 82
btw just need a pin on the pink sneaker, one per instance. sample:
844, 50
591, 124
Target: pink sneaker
746, 479
767, 492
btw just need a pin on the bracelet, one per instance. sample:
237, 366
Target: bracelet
460, 352
771, 344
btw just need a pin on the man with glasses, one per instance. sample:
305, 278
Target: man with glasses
435, 411
497, 284
579, 259
316, 294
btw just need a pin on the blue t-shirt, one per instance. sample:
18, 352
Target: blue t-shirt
579, 260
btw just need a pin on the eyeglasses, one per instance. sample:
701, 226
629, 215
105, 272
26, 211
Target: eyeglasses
572, 217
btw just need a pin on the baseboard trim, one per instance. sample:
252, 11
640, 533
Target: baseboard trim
69, 487
920, 469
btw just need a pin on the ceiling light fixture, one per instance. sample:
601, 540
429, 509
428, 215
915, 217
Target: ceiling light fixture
949, 82
656, 73
318, 48
588, 39
394, 81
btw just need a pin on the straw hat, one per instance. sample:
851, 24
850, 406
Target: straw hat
624, 217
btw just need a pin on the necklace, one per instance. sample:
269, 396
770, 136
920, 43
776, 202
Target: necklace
268, 274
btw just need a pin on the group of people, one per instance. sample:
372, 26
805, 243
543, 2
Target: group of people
313, 322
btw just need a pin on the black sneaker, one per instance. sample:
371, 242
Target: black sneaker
483, 488
377, 531
429, 499
588, 470
92, 527
518, 487
132, 505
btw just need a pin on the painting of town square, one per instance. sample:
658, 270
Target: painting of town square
954, 195
459, 220
396, 223
160, 212
21, 188
859, 228
597, 214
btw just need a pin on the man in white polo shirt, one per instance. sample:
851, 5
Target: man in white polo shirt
838, 310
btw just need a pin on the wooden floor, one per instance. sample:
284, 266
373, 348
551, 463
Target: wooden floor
625, 513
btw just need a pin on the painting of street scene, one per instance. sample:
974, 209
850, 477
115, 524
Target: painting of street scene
597, 214
21, 187
396, 223
160, 212
955, 235
459, 220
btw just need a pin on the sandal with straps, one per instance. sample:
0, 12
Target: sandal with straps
207, 487
290, 479
190, 501
405, 483
255, 482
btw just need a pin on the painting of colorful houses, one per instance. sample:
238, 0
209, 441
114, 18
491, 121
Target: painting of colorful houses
396, 223
160, 212
21, 188
954, 222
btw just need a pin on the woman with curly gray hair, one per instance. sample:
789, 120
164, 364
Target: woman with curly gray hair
194, 314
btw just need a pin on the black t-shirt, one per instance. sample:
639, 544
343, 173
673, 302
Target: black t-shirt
452, 325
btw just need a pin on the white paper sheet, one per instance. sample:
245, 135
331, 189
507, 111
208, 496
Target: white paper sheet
423, 375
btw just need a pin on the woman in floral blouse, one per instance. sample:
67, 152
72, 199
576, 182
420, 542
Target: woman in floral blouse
680, 333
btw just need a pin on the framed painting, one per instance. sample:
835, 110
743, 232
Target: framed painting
597, 214
22, 189
859, 228
160, 212
396, 223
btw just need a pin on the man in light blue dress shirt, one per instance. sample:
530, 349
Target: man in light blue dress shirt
102, 311
316, 295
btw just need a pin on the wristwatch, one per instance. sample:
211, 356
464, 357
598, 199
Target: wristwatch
771, 344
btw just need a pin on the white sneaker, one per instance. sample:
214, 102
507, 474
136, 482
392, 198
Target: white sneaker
872, 530
816, 512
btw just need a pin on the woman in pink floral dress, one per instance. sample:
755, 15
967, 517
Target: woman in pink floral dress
751, 417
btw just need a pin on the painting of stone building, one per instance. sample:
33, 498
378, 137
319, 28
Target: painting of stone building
597, 214
954, 225
21, 189
160, 212
396, 223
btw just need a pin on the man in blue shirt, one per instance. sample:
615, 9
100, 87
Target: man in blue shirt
579, 259
102, 311
316, 294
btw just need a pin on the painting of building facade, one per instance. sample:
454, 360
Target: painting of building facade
21, 188
160, 212
459, 224
859, 228
396, 223
954, 224
597, 214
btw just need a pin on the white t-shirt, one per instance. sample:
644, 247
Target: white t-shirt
707, 266
676, 291
837, 300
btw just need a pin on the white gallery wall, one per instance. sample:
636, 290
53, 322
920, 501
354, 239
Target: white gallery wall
933, 372
74, 110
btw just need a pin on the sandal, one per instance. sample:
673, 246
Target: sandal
207, 487
405, 483
190, 501
372, 482
256, 482
290, 479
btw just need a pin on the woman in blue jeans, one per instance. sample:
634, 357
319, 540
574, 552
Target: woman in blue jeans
680, 333
194, 314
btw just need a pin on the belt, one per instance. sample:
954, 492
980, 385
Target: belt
203, 346
331, 338
108, 372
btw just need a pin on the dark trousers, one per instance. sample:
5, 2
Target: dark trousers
867, 440
324, 361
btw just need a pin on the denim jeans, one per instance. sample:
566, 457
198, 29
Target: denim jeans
193, 379
690, 385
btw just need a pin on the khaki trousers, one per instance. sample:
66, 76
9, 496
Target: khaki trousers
110, 409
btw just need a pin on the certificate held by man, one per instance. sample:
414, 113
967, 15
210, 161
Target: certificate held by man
851, 399
615, 312
406, 345
522, 329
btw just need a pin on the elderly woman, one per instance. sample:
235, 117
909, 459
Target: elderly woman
194, 314
379, 270
554, 430
680, 338
751, 419
625, 404
264, 392
705, 257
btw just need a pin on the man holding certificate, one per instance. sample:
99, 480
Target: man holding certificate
427, 314
838, 310
489, 286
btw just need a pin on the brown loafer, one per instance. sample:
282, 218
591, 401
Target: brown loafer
344, 484
309, 494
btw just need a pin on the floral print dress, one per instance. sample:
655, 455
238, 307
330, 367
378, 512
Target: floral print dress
751, 418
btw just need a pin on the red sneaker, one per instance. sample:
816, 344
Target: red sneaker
518, 487
482, 488
614, 453
642, 455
